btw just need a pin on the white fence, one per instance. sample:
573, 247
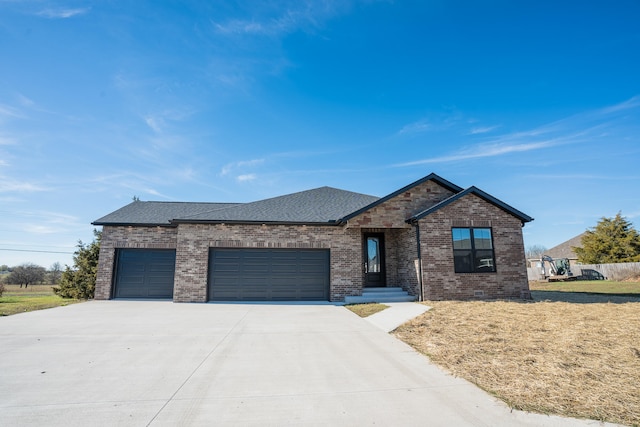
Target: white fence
610, 271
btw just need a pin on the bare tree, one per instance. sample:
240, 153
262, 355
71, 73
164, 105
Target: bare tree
26, 274
535, 251
55, 272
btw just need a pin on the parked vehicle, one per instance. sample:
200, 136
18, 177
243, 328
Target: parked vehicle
590, 274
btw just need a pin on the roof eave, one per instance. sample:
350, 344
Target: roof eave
132, 224
248, 222
524, 218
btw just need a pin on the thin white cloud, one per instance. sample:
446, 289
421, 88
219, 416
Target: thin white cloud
9, 112
155, 193
416, 127
577, 129
40, 229
155, 123
7, 141
159, 121
45, 222
284, 18
634, 214
247, 177
228, 168
622, 106
582, 177
481, 129
62, 13
483, 150
241, 27
24, 101
440, 122
8, 185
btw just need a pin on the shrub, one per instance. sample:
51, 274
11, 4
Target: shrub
80, 281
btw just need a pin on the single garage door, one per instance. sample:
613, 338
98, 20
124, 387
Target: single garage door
268, 275
144, 273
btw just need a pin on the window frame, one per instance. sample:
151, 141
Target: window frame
465, 257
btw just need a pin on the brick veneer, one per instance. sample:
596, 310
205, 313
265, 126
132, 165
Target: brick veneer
394, 212
439, 279
193, 241
127, 238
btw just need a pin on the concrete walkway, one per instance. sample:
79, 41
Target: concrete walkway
143, 363
397, 314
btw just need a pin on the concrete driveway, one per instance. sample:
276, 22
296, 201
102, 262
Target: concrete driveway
144, 363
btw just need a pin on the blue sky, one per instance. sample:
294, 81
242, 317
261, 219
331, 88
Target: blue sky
536, 103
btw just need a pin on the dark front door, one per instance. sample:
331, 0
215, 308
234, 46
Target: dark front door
374, 271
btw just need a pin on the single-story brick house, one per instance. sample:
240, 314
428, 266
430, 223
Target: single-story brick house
432, 238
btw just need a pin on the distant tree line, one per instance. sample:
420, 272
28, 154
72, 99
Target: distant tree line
77, 281
31, 274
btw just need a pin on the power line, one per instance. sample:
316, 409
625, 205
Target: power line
33, 250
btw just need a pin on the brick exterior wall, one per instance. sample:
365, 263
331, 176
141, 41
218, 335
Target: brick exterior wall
127, 238
194, 241
345, 243
394, 212
439, 279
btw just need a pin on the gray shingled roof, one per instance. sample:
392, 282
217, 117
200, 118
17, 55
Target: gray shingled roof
321, 205
565, 249
157, 213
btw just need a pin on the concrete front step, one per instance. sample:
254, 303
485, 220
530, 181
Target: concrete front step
392, 294
383, 290
382, 299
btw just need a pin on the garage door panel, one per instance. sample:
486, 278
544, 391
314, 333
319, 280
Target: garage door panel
144, 273
268, 274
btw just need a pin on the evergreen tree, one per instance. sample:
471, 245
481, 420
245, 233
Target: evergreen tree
612, 240
80, 281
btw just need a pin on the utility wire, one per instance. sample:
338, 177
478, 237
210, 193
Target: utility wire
32, 250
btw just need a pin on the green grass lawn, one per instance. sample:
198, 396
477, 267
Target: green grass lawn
589, 286
19, 300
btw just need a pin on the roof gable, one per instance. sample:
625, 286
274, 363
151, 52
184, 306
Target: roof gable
475, 191
431, 177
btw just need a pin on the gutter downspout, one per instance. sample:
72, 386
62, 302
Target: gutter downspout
419, 250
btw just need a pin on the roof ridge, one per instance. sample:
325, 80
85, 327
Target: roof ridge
187, 203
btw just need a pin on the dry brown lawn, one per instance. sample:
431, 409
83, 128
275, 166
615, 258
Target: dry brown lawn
366, 309
577, 360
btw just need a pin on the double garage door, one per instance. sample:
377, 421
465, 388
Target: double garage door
268, 275
234, 274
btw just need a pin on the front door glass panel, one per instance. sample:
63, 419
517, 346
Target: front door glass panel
373, 255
